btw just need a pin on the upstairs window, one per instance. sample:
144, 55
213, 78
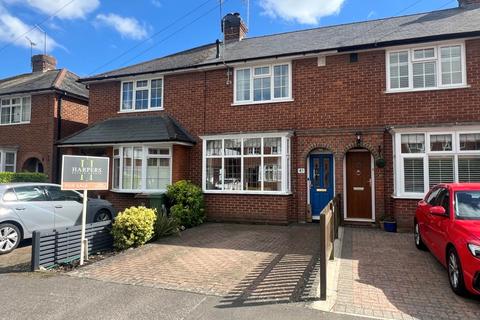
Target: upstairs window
434, 67
263, 84
15, 110
142, 95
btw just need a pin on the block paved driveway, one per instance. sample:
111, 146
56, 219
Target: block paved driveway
384, 275
243, 264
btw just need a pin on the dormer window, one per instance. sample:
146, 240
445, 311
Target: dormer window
265, 83
142, 95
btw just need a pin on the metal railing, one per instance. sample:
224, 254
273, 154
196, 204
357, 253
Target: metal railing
330, 220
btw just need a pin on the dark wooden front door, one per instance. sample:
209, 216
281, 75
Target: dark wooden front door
359, 185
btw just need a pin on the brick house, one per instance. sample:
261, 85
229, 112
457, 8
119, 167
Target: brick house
37, 109
273, 127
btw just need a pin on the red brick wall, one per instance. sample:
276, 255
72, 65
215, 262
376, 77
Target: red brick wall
330, 104
36, 138
248, 208
74, 115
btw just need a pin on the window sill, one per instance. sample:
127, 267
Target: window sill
258, 193
139, 192
260, 102
427, 89
145, 110
408, 197
14, 124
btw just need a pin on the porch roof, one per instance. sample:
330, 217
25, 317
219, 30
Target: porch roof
132, 129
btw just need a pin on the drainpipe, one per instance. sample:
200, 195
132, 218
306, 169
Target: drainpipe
58, 137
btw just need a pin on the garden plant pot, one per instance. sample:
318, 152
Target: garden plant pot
390, 226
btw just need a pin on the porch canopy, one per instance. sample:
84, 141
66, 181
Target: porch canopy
131, 129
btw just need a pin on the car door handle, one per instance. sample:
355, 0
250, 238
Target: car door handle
19, 209
58, 207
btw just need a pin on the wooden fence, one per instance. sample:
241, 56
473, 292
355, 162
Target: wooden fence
330, 220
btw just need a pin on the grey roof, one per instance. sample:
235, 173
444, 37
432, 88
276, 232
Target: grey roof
443, 24
58, 79
131, 129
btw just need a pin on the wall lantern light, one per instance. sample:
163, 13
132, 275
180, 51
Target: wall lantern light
358, 138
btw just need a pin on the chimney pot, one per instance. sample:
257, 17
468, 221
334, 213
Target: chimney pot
43, 62
233, 27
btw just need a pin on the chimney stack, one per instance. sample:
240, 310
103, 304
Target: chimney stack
43, 62
464, 3
233, 27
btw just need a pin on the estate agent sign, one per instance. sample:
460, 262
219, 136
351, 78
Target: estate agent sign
85, 173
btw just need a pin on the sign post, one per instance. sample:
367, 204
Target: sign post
85, 173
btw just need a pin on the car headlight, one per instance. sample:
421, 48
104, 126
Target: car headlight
474, 249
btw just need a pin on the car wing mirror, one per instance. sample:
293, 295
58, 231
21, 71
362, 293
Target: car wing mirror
438, 211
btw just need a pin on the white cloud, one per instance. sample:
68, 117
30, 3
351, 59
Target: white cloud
13, 31
371, 14
127, 27
301, 11
63, 9
156, 3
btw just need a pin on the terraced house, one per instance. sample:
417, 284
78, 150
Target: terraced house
273, 127
36, 109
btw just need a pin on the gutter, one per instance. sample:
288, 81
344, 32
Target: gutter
376, 45
49, 90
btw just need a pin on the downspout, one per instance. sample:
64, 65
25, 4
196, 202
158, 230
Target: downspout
58, 137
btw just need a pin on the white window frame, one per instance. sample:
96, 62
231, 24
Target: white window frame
284, 156
437, 47
21, 110
145, 156
428, 132
3, 158
272, 83
148, 87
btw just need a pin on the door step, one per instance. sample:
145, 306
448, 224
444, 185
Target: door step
359, 224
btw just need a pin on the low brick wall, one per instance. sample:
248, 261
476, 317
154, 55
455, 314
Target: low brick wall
404, 212
248, 208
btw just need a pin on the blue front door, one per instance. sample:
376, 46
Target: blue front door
321, 182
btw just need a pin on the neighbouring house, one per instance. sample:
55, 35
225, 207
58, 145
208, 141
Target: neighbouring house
37, 109
273, 127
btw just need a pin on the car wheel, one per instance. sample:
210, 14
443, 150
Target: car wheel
9, 237
102, 215
455, 273
418, 238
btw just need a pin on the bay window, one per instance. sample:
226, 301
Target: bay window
429, 158
141, 168
263, 83
141, 95
15, 110
8, 160
433, 67
247, 164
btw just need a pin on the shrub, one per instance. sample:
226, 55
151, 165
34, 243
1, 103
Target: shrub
8, 177
187, 205
166, 226
133, 227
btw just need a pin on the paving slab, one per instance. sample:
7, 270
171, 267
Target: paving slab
384, 275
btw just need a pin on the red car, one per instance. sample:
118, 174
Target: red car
447, 222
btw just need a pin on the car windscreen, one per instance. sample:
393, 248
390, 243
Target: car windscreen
467, 205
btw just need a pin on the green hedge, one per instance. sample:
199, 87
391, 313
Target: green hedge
133, 227
8, 177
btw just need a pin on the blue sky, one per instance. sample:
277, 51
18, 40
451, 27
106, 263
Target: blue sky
86, 35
